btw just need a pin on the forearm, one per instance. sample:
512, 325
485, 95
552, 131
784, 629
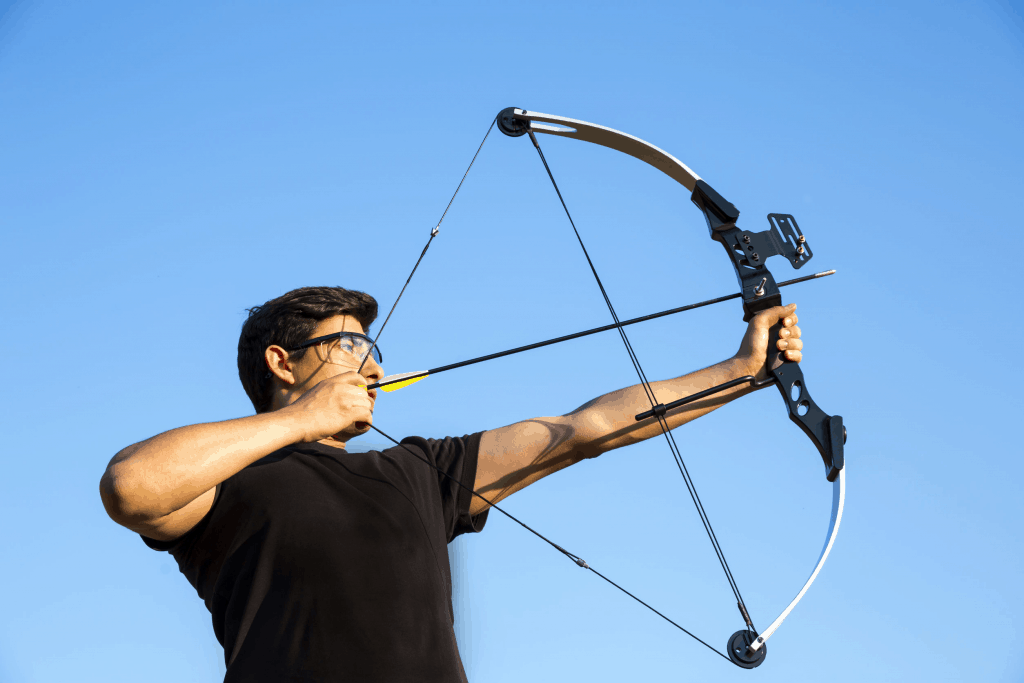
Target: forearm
163, 474
608, 422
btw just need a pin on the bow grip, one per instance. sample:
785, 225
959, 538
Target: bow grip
826, 432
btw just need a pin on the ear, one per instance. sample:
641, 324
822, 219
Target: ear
278, 365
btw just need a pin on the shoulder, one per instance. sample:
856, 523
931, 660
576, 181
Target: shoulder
165, 532
450, 452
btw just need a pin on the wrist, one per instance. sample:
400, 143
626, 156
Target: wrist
289, 424
742, 366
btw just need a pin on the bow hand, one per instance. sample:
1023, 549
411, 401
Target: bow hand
774, 328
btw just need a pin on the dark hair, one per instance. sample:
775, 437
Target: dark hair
287, 321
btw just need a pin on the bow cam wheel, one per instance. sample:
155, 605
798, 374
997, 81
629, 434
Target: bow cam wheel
739, 654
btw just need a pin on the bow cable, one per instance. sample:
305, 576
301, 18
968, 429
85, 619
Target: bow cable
662, 421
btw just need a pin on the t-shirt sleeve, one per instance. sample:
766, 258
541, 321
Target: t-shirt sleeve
188, 536
455, 459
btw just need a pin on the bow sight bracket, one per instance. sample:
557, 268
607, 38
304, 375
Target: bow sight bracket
750, 250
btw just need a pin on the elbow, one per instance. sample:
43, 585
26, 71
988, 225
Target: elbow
590, 436
111, 501
125, 502
117, 505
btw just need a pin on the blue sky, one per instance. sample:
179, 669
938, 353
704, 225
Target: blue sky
164, 167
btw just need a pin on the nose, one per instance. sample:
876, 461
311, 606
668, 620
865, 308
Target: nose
371, 369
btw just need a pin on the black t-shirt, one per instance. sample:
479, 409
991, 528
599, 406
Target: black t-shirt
323, 565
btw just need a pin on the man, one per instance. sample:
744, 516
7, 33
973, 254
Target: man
322, 565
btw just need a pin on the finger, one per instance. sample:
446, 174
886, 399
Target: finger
789, 345
790, 320
353, 378
777, 313
794, 356
789, 333
364, 418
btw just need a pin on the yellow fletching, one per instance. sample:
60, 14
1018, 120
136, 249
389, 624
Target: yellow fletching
399, 382
404, 383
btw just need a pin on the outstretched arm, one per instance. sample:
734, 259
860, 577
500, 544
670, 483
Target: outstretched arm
515, 456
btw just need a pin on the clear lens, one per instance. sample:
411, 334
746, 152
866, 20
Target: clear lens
346, 348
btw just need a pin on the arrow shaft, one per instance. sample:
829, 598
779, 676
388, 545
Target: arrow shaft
603, 328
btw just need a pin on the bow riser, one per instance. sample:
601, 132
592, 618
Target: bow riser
749, 252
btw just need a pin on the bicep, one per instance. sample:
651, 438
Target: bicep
176, 524
513, 457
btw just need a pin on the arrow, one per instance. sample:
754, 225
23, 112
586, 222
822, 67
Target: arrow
395, 382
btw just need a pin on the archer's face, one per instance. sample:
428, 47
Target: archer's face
329, 359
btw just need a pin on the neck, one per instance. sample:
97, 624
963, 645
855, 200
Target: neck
331, 441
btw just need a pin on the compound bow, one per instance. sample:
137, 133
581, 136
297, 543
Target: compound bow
748, 252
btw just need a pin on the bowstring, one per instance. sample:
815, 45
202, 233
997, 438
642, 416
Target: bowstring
579, 561
643, 378
433, 233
